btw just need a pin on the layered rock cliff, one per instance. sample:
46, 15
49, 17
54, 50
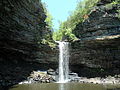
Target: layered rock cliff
97, 52
22, 28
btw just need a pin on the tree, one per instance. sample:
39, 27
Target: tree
78, 16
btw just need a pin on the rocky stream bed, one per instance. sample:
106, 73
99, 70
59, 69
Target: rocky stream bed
51, 76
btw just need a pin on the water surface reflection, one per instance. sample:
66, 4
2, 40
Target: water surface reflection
66, 86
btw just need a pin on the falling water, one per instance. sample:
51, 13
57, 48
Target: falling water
63, 62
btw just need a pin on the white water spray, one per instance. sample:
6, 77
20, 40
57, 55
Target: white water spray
63, 62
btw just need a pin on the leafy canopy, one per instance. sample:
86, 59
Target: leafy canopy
77, 16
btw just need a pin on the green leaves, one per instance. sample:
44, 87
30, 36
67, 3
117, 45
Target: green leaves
78, 16
64, 34
49, 20
118, 15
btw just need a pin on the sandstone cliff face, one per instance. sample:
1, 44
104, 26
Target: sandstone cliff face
22, 28
99, 45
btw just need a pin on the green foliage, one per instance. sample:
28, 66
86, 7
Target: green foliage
63, 34
110, 6
118, 2
49, 17
57, 36
50, 43
66, 28
47, 38
78, 16
118, 15
48, 20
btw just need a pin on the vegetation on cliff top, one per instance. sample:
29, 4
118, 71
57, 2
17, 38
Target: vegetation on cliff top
80, 14
47, 39
67, 27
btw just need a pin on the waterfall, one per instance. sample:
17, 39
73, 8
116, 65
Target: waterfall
63, 62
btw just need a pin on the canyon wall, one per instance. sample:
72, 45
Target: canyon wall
22, 29
97, 53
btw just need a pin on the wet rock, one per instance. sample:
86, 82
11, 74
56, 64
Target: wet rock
51, 72
97, 80
38, 77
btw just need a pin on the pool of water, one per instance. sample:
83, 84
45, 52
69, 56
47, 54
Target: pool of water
65, 86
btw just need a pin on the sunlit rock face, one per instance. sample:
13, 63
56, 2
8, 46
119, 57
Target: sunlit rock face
22, 28
98, 51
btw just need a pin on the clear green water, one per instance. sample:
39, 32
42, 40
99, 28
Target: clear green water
65, 86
